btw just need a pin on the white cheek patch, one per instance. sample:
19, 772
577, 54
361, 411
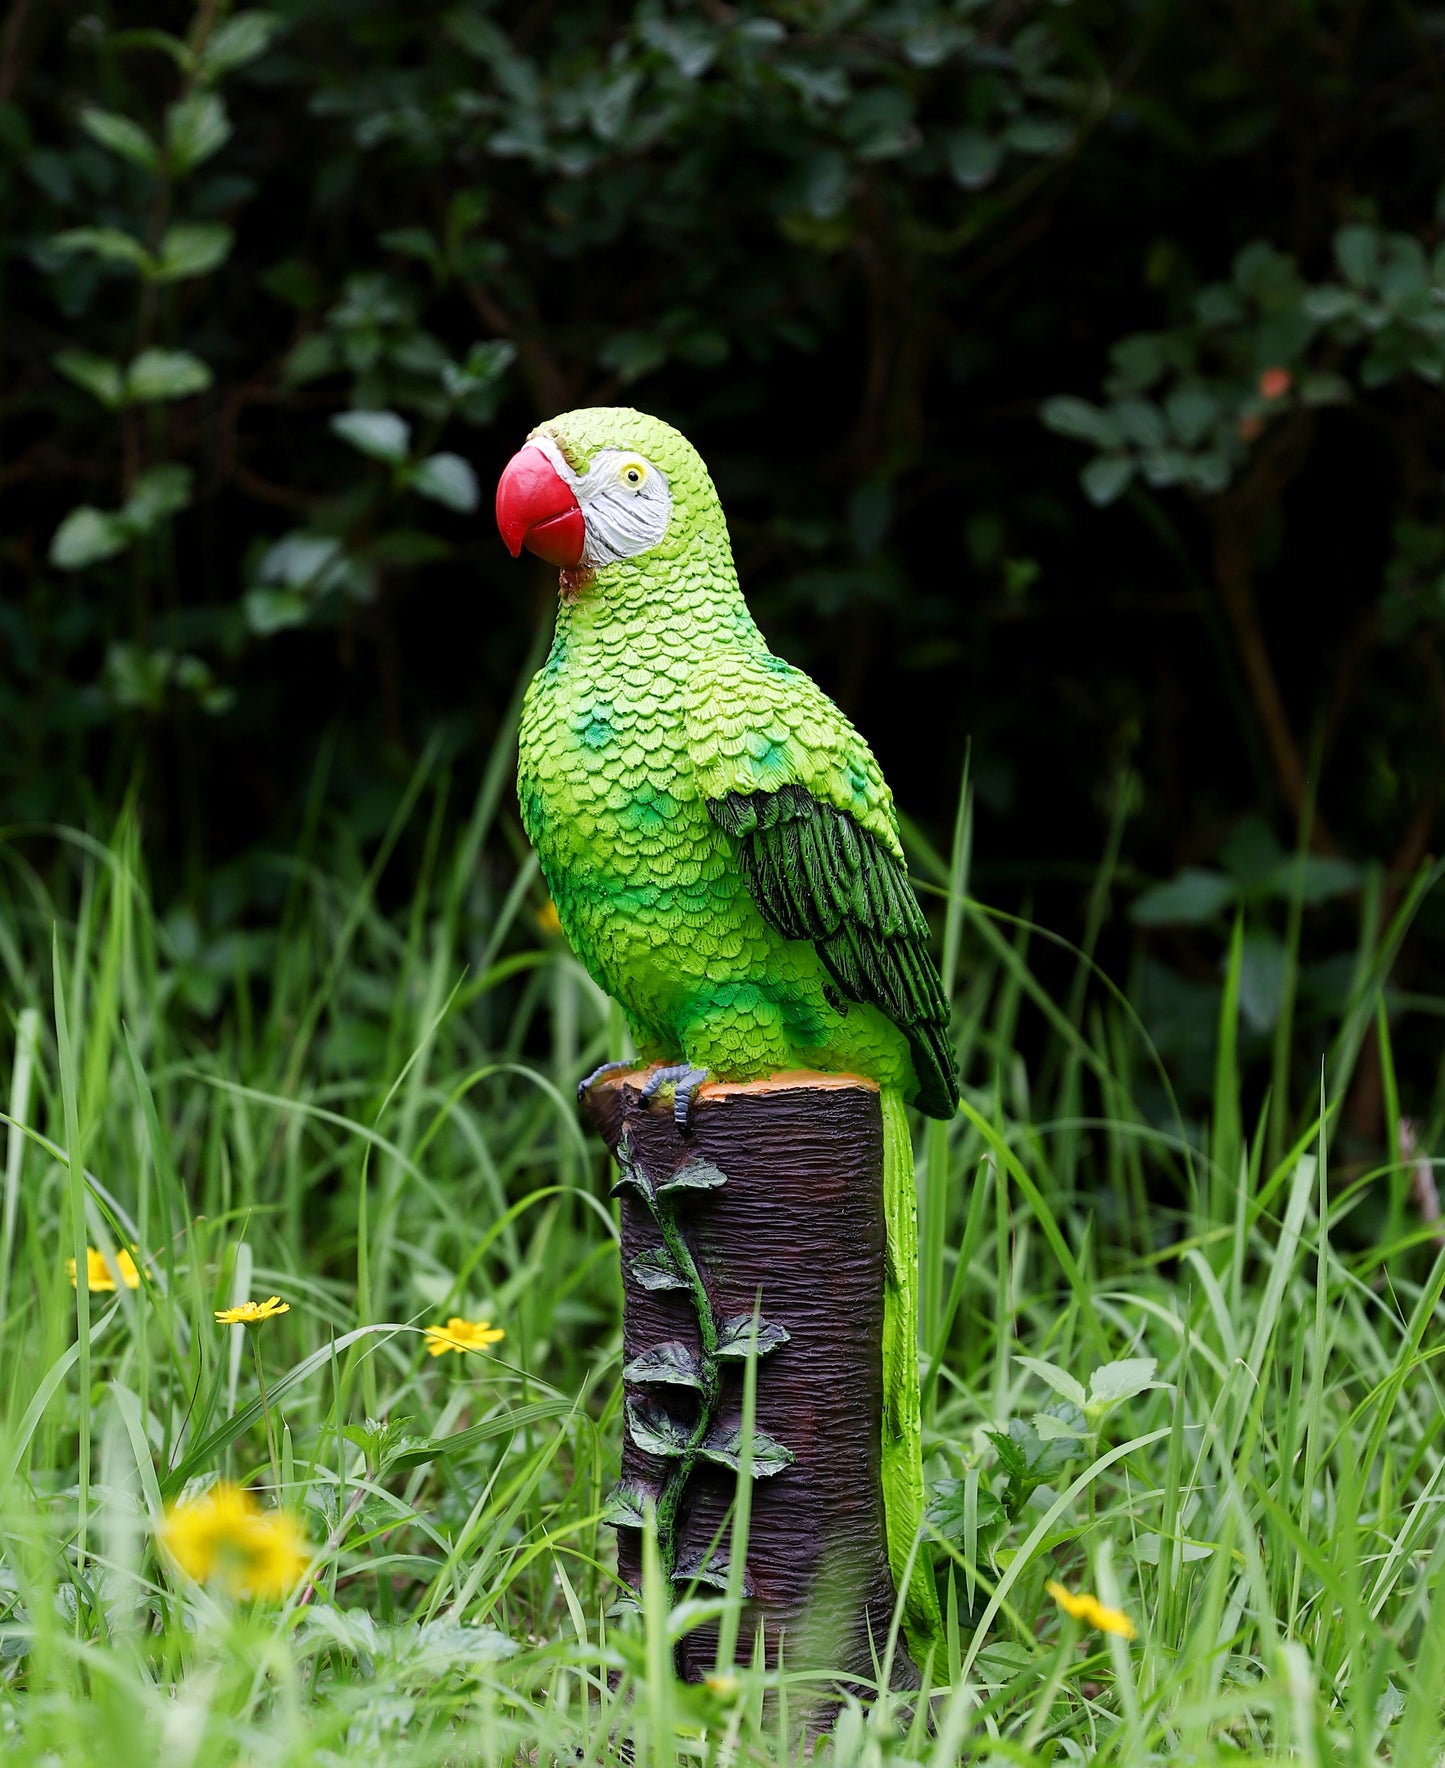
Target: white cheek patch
623, 522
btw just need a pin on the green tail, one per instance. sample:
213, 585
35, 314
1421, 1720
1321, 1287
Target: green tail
902, 1412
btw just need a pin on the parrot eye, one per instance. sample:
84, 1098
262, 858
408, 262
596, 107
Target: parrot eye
633, 474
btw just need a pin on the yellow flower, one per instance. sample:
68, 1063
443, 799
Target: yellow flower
224, 1536
97, 1272
1090, 1610
723, 1686
251, 1313
547, 917
462, 1335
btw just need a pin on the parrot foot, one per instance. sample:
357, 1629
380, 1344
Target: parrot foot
602, 1072
686, 1079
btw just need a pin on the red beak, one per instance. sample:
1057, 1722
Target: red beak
536, 509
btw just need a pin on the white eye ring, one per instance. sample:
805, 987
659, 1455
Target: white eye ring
633, 474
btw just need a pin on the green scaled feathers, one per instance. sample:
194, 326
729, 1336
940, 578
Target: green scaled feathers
817, 875
723, 850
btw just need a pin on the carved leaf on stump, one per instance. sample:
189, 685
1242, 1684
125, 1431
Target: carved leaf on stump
671, 1365
724, 1446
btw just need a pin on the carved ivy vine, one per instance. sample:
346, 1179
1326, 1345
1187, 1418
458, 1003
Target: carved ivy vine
668, 1371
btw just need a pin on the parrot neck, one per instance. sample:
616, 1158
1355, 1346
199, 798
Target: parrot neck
693, 595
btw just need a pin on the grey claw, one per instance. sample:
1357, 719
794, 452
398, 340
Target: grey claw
662, 1077
686, 1079
601, 1072
683, 1097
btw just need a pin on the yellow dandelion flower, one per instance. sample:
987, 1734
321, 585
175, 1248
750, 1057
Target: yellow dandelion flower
251, 1313
462, 1335
225, 1537
721, 1685
1084, 1607
97, 1271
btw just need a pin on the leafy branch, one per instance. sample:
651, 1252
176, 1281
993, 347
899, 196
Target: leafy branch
673, 1367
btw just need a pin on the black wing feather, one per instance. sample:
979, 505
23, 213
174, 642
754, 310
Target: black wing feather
816, 873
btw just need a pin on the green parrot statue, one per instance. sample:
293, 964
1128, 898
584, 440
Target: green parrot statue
720, 844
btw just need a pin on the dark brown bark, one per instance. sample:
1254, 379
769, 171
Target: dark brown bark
798, 1225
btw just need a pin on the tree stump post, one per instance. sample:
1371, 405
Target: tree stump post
773, 1198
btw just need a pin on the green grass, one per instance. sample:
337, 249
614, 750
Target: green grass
378, 1126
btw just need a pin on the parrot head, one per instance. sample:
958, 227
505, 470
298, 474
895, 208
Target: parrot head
595, 487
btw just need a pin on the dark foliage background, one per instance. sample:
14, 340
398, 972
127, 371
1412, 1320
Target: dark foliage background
1071, 374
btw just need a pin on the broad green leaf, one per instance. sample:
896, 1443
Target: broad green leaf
1077, 418
1329, 302
86, 536
657, 1269
1142, 422
1122, 1380
237, 40
476, 384
1042, 1456
656, 1431
1191, 409
1263, 972
1195, 896
1059, 1380
159, 492
447, 479
302, 561
723, 1445
414, 242
1039, 135
1050, 1429
1218, 305
948, 1511
1265, 273
1011, 1455
274, 610
973, 158
315, 356
669, 1365
196, 128
1313, 878
381, 434
191, 248
697, 1175
1138, 361
161, 40
736, 1335
1106, 478
120, 135
1357, 252
1209, 473
165, 374
108, 243
99, 376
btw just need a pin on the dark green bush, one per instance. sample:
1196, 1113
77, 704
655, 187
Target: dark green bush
926, 282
